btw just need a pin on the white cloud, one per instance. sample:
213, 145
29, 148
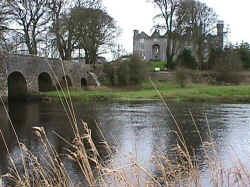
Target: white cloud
130, 15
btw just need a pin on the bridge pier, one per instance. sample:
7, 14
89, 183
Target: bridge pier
3, 87
32, 84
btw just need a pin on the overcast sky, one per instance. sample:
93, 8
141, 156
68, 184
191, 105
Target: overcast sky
138, 14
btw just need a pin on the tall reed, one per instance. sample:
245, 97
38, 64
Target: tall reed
48, 169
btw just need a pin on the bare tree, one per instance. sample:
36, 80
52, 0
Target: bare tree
186, 20
95, 4
30, 18
118, 51
3, 16
199, 22
61, 28
168, 9
93, 28
3, 23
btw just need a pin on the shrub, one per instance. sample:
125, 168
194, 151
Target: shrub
202, 77
186, 59
123, 74
214, 56
110, 75
227, 68
227, 73
181, 76
130, 72
108, 71
138, 70
244, 54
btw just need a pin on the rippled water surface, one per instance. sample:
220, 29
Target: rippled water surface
135, 130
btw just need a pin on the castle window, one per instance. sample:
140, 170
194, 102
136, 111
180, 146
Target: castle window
156, 52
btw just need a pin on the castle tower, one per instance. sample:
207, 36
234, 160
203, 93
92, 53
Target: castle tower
136, 32
135, 42
220, 34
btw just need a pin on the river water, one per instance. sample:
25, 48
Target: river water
136, 130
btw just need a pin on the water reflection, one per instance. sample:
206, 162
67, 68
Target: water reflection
136, 130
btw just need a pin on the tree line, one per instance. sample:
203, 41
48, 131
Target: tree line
186, 20
56, 28
194, 21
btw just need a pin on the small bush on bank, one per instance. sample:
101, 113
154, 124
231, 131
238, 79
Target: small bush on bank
181, 76
227, 69
123, 74
202, 77
130, 72
138, 70
187, 60
214, 57
227, 74
243, 51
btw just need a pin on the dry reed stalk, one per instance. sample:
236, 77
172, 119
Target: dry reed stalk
184, 171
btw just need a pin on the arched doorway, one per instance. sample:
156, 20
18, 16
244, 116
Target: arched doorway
44, 82
17, 86
66, 82
156, 51
84, 83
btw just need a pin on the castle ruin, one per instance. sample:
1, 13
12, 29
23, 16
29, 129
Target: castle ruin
153, 48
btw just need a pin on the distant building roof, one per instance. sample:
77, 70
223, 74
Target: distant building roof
156, 34
144, 35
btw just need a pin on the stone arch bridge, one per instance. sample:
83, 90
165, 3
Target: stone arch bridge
21, 75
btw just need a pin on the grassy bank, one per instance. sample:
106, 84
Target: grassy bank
170, 91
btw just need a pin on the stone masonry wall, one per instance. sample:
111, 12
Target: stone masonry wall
31, 67
3, 75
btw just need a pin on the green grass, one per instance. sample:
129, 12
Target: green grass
170, 91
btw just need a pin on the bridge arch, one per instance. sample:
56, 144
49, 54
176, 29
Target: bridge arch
44, 82
17, 85
84, 83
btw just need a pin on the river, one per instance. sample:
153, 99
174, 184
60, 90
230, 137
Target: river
136, 130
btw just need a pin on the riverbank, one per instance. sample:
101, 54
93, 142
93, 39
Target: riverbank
170, 91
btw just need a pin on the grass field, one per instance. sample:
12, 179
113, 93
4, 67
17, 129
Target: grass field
170, 91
